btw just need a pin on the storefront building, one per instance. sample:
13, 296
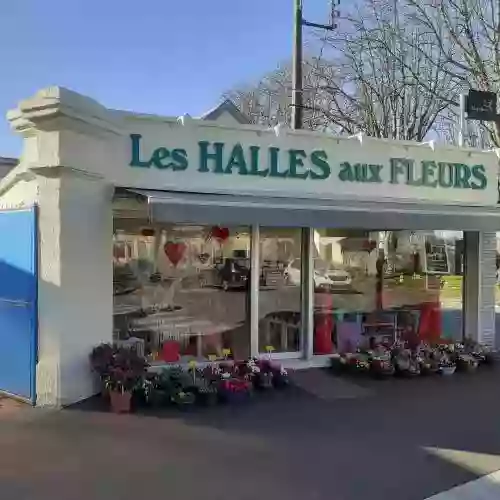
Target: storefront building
200, 237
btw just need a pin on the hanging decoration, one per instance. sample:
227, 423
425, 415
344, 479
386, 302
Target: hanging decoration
174, 251
147, 231
203, 257
219, 233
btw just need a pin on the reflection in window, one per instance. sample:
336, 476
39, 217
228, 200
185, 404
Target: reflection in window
386, 286
279, 289
183, 290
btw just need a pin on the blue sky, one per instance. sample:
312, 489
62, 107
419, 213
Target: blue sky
153, 56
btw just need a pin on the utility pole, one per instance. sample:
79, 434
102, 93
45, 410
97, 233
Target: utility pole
297, 90
307, 237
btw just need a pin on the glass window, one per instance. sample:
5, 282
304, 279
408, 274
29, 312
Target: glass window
183, 290
378, 287
279, 290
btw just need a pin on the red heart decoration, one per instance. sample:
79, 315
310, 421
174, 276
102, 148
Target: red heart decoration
221, 233
174, 251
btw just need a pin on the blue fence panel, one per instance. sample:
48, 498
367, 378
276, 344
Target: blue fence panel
18, 302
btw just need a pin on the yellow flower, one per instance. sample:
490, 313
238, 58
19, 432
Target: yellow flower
226, 352
269, 348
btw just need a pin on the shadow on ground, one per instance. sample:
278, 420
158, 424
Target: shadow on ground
404, 439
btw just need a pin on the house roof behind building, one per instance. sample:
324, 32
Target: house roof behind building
6, 165
12, 162
228, 107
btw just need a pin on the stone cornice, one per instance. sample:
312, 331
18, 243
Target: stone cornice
57, 108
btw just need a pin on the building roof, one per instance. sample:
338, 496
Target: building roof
6, 161
6, 165
229, 107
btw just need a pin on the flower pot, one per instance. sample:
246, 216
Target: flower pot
184, 399
120, 401
158, 398
467, 364
381, 369
209, 398
281, 380
447, 370
428, 368
263, 380
234, 391
230, 396
104, 392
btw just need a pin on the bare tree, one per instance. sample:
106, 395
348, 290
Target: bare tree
268, 102
462, 40
389, 88
362, 79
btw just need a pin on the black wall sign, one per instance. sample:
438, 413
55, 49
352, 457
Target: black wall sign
481, 106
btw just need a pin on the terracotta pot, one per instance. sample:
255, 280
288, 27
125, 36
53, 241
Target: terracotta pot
120, 401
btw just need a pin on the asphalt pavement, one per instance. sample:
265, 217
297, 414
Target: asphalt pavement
393, 439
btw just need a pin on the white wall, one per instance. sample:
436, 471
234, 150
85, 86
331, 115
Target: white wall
487, 284
87, 277
76, 277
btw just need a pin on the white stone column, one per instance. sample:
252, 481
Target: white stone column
69, 143
479, 286
486, 320
75, 282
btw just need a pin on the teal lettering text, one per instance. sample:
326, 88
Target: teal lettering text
479, 177
296, 160
428, 174
136, 152
254, 162
462, 176
179, 160
237, 160
216, 157
398, 166
346, 172
274, 163
319, 160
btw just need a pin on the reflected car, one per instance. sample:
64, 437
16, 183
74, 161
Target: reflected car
330, 278
233, 275
339, 277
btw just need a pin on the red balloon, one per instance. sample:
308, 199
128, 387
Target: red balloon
174, 251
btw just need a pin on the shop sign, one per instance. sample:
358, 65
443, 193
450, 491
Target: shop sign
318, 164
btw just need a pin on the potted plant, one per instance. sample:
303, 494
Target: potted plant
482, 353
277, 374
405, 364
120, 382
101, 361
121, 371
428, 361
233, 390
381, 367
447, 365
358, 363
179, 384
466, 362
251, 371
204, 389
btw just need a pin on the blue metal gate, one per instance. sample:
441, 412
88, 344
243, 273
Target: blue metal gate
18, 302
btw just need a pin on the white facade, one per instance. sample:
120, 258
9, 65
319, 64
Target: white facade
76, 152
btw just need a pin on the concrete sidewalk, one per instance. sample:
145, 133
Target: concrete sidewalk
397, 439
